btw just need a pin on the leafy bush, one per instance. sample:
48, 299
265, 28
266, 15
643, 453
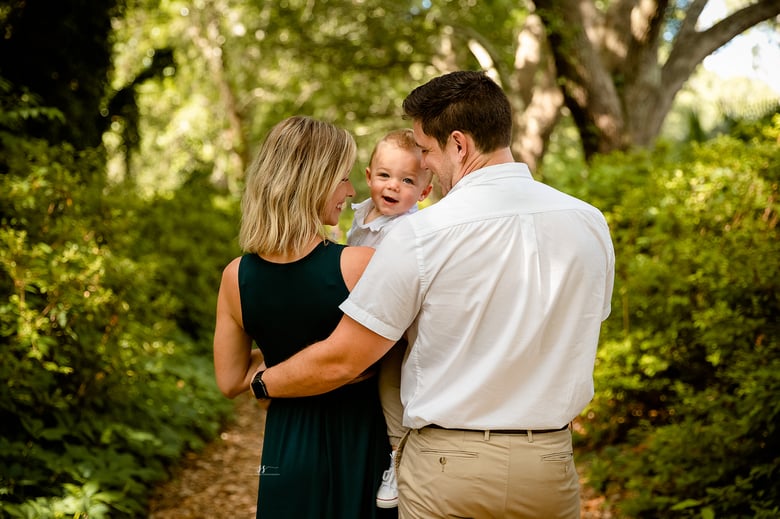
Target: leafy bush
686, 376
190, 235
102, 389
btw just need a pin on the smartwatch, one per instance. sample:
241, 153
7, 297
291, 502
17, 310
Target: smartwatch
258, 386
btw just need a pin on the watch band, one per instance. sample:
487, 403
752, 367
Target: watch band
258, 386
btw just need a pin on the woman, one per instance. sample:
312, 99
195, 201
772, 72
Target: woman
323, 456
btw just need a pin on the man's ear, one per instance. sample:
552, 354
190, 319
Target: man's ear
462, 143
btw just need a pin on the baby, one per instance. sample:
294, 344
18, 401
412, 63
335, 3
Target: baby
396, 183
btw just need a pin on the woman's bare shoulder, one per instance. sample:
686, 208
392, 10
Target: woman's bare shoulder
231, 269
353, 263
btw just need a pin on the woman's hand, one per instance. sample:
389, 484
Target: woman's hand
370, 372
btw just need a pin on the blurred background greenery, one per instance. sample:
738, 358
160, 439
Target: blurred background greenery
125, 129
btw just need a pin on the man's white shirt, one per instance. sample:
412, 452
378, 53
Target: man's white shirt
503, 285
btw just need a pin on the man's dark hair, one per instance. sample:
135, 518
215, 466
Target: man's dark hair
467, 101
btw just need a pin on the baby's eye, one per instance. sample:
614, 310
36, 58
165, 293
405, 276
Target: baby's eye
383, 175
409, 181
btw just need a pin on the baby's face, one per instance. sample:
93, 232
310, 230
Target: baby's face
396, 180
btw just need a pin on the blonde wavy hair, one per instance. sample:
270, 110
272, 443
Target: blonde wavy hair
289, 183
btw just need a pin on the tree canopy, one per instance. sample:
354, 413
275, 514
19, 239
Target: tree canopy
125, 129
208, 78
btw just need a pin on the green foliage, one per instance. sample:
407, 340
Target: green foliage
18, 107
102, 389
190, 236
708, 103
243, 66
686, 376
107, 296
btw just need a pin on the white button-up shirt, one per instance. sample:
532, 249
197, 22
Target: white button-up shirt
503, 285
371, 234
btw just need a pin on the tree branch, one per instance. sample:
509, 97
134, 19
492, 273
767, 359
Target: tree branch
617, 33
528, 57
588, 88
535, 95
645, 30
691, 46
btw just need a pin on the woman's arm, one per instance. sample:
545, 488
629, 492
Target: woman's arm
235, 362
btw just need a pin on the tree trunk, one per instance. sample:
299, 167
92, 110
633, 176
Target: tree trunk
589, 91
614, 81
534, 94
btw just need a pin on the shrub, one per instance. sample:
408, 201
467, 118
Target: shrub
686, 375
102, 389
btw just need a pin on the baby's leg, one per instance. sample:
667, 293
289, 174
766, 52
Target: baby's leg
390, 392
390, 396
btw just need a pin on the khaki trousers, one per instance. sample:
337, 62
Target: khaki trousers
483, 475
390, 391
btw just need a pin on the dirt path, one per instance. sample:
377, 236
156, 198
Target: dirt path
221, 481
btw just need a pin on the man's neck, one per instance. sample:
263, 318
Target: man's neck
483, 160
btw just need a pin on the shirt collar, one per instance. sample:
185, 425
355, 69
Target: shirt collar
507, 169
363, 208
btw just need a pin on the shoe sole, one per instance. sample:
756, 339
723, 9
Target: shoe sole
387, 504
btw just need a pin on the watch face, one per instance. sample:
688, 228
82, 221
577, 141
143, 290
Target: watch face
258, 388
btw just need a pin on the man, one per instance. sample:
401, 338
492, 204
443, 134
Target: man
503, 285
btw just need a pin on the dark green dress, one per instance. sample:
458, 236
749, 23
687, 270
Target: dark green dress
323, 456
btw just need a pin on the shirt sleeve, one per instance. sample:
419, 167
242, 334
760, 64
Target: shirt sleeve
387, 298
610, 277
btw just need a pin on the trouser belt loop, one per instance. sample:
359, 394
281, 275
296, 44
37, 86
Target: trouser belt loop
530, 436
487, 435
